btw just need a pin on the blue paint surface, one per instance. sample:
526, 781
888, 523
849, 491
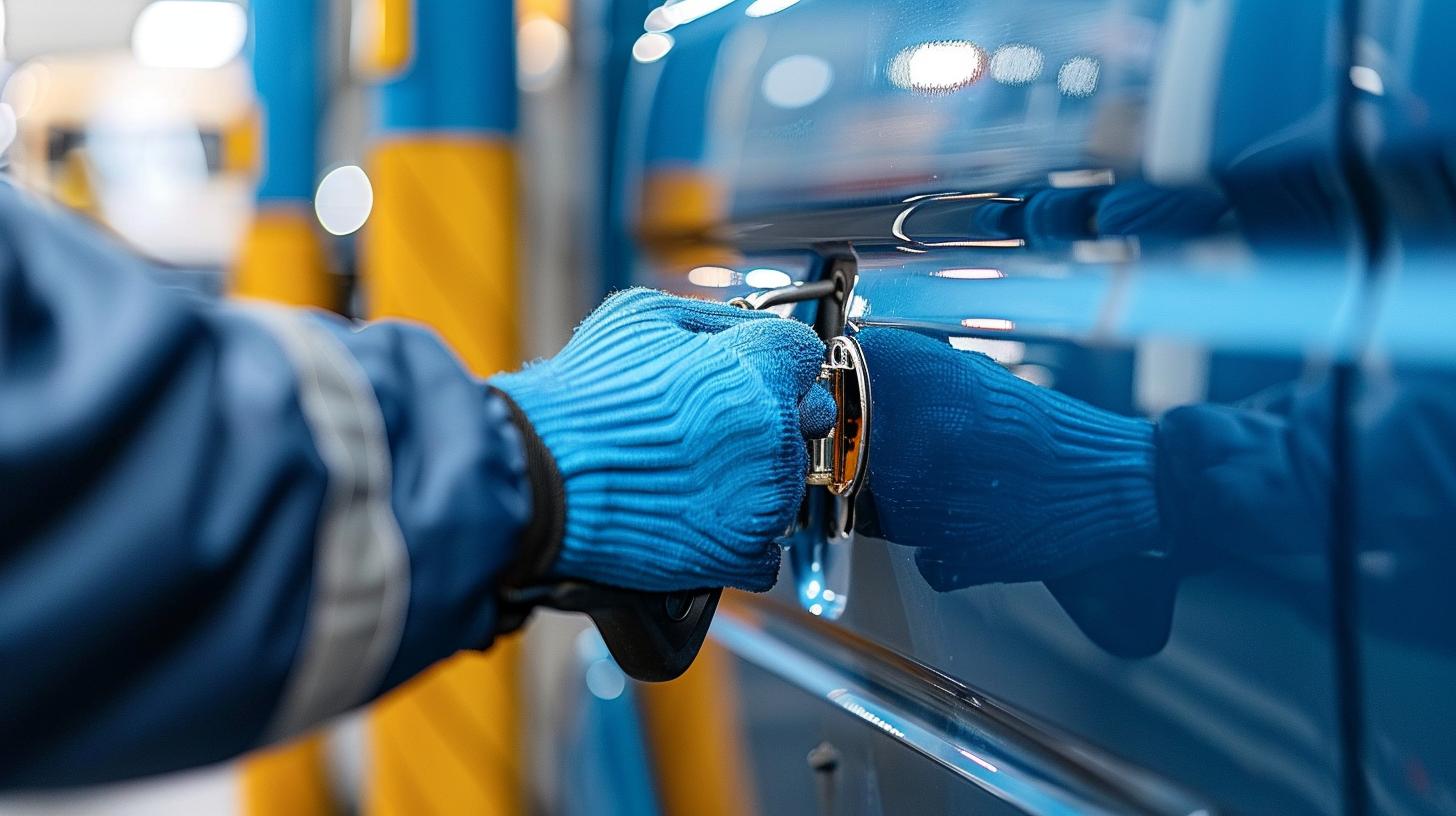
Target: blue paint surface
1230, 233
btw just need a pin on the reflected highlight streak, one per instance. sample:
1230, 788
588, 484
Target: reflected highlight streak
651, 47
763, 8
938, 67
1017, 64
989, 324
969, 274
1078, 77
714, 277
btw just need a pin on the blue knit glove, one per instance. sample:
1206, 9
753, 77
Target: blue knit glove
994, 479
677, 429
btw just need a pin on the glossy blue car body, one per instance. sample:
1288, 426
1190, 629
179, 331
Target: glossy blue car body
1143, 204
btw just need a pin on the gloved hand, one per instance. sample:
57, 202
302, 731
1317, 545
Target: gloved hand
675, 432
994, 479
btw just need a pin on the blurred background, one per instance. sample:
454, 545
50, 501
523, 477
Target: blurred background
437, 161
148, 117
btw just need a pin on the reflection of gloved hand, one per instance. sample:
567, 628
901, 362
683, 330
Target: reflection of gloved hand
674, 427
995, 479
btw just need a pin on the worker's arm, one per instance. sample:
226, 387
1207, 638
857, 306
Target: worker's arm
221, 525
994, 479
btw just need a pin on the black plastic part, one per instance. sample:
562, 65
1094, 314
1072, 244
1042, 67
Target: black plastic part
654, 637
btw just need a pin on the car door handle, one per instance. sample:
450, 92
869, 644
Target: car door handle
916, 224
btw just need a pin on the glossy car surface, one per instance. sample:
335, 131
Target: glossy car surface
1143, 204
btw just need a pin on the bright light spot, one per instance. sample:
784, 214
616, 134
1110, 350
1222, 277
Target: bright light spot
541, 50
604, 680
651, 47
1005, 352
1075, 179
763, 8
968, 274
8, 127
816, 609
767, 278
796, 81
1078, 76
189, 33
830, 595
657, 20
25, 87
1016, 64
1035, 374
674, 13
938, 67
989, 324
1367, 79
714, 276
812, 590
344, 200
972, 757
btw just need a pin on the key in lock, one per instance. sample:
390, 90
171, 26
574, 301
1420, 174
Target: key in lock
839, 461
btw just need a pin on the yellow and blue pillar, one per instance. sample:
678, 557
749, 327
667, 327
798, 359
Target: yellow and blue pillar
283, 259
441, 248
283, 256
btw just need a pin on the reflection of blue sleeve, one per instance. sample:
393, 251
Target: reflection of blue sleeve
1235, 480
221, 525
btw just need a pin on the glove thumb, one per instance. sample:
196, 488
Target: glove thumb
786, 355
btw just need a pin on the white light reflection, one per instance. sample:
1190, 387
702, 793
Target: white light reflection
1005, 352
604, 680
812, 590
344, 200
1078, 77
972, 757
847, 701
938, 67
8, 127
797, 81
1367, 79
670, 15
763, 8
542, 45
767, 278
989, 324
189, 33
25, 87
714, 276
1016, 64
1074, 179
651, 47
657, 20
816, 609
968, 274
1035, 374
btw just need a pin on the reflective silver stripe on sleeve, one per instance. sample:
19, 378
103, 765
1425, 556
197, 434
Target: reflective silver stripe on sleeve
360, 591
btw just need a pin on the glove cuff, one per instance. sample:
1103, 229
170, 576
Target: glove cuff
1086, 475
1116, 457
541, 540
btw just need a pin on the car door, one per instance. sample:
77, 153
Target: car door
1402, 429
1142, 204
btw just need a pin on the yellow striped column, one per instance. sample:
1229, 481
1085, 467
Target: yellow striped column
696, 715
440, 248
283, 259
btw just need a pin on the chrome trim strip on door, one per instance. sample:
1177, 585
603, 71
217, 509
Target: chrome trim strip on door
1018, 762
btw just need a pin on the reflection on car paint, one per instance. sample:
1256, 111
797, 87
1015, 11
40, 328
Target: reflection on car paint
1182, 230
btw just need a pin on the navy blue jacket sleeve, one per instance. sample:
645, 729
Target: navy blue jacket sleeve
220, 525
1253, 479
